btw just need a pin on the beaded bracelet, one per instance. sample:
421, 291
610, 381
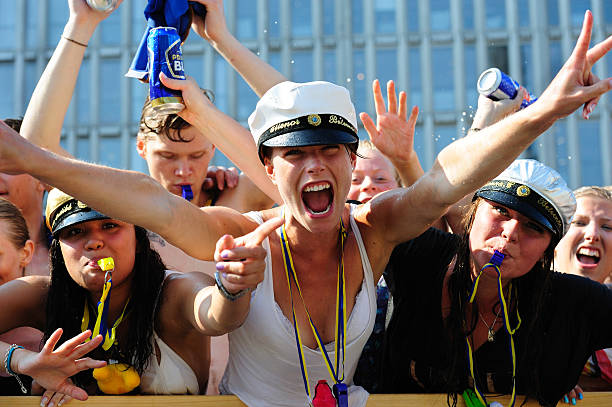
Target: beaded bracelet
7, 366
224, 292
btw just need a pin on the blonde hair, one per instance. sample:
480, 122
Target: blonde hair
595, 191
367, 145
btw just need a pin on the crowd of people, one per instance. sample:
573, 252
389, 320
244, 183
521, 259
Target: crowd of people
329, 265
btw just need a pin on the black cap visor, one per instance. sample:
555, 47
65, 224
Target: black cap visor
310, 137
519, 205
77, 217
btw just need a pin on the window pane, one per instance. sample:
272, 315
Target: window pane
468, 14
329, 26
444, 93
590, 152
578, 8
498, 57
110, 29
357, 16
359, 87
82, 149
526, 67
553, 12
32, 24
329, 66
301, 66
273, 18
440, 15
57, 18
194, 67
413, 15
384, 16
110, 96
471, 77
7, 25
247, 99
221, 80
110, 151
301, 18
444, 135
558, 133
140, 91
83, 93
138, 20
416, 88
523, 10
386, 66
8, 88
556, 59
495, 13
419, 143
246, 19
31, 79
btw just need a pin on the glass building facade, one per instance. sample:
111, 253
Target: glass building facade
434, 49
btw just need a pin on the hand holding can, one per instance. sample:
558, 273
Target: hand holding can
165, 55
497, 85
102, 5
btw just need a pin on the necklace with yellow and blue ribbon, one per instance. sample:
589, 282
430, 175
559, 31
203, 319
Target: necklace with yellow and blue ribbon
339, 388
99, 327
495, 263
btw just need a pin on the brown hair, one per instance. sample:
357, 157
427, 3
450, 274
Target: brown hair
17, 228
14, 124
160, 125
598, 192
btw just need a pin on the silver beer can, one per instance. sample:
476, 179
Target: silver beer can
102, 5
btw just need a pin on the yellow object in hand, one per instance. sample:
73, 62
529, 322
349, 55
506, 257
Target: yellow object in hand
106, 264
117, 378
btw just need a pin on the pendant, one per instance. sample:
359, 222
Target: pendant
491, 335
341, 394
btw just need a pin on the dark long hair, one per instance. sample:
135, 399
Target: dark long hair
532, 289
66, 299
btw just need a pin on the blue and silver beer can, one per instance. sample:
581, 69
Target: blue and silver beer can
165, 55
497, 85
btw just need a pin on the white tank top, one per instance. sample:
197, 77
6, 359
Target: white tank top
263, 367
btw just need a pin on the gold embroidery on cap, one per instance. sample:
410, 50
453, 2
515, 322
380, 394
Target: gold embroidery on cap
314, 119
284, 125
523, 190
81, 205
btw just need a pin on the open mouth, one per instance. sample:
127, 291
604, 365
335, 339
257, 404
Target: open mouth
588, 256
318, 197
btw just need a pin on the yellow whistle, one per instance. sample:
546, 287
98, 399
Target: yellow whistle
117, 378
106, 263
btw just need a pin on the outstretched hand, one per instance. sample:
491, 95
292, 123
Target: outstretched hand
84, 16
491, 111
575, 84
393, 134
53, 368
241, 261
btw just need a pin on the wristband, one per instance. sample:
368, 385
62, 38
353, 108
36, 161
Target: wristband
7, 366
224, 292
74, 41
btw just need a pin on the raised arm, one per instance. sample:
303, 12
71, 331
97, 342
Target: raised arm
468, 163
228, 135
393, 133
42, 123
256, 72
126, 195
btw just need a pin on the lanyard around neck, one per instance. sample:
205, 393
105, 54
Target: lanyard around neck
100, 326
340, 339
495, 263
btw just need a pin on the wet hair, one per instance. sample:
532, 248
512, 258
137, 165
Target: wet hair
155, 124
66, 300
594, 191
532, 288
14, 124
367, 145
17, 228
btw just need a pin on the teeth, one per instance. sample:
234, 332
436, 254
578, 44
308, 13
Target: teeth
588, 252
314, 188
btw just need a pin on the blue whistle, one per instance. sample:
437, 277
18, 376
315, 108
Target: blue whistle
187, 192
497, 258
341, 394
